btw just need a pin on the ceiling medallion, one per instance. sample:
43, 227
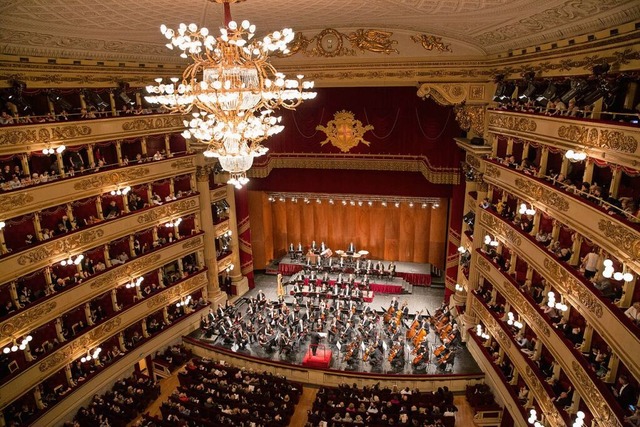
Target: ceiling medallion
430, 42
330, 43
344, 131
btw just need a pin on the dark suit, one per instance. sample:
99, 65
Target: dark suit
627, 396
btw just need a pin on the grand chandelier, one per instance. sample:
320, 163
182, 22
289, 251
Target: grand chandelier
230, 90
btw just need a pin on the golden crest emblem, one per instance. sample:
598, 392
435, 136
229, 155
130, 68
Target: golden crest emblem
344, 131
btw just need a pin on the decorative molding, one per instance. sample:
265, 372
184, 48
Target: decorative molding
444, 93
193, 243
623, 237
492, 171
545, 402
330, 43
430, 42
14, 200
153, 123
126, 271
603, 412
570, 286
43, 134
181, 289
81, 344
539, 192
470, 117
344, 131
59, 246
476, 92
483, 263
221, 228
29, 317
516, 123
525, 308
473, 161
600, 138
168, 210
203, 172
183, 163
105, 179
501, 229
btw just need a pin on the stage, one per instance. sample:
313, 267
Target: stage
425, 299
414, 273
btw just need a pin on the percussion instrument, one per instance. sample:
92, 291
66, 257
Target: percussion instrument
339, 252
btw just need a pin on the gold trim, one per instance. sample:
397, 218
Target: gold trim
602, 138
330, 43
153, 123
166, 211
14, 200
59, 247
128, 271
622, 237
430, 42
605, 416
111, 178
43, 135
540, 193
27, 318
344, 131
470, 117
516, 123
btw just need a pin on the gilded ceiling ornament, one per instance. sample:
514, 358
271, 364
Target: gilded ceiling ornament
330, 43
373, 41
430, 42
470, 117
344, 131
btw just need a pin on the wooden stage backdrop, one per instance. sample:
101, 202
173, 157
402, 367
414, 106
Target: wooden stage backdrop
410, 234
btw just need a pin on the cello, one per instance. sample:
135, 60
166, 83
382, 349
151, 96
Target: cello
394, 351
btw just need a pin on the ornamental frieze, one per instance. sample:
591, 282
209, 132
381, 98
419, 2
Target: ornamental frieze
42, 135
81, 344
492, 171
221, 228
167, 210
192, 243
331, 43
470, 117
545, 402
516, 123
20, 321
573, 288
152, 123
111, 178
183, 288
525, 308
603, 138
473, 161
483, 263
14, 200
598, 405
128, 270
59, 246
183, 163
540, 193
623, 237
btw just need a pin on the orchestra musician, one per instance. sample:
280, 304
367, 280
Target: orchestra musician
368, 267
392, 270
322, 247
379, 269
313, 246
351, 249
300, 247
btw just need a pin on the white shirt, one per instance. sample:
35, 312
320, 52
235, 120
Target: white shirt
591, 261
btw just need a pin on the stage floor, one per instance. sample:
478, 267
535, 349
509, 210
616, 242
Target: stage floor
423, 298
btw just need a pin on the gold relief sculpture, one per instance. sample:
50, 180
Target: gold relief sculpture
15, 324
59, 247
373, 41
483, 263
43, 135
12, 201
193, 243
541, 193
521, 124
183, 163
572, 287
473, 161
344, 131
111, 178
221, 228
203, 172
617, 140
476, 92
492, 171
152, 123
622, 236
126, 271
525, 308
80, 345
430, 42
550, 411
330, 43
444, 93
579, 134
165, 211
597, 403
470, 117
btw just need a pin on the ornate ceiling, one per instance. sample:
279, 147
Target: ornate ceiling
129, 29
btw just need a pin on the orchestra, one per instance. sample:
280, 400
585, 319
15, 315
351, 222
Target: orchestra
336, 310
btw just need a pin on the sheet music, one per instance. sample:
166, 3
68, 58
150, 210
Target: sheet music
339, 345
323, 334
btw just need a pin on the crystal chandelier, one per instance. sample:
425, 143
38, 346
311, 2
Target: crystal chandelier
230, 90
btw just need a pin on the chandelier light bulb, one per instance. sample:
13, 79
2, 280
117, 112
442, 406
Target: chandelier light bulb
6, 350
608, 263
14, 348
627, 277
617, 276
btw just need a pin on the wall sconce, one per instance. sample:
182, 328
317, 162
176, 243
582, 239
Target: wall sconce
552, 302
15, 346
71, 260
609, 271
90, 356
524, 210
135, 283
575, 156
533, 419
511, 321
121, 192
459, 287
183, 301
50, 150
173, 223
481, 333
489, 241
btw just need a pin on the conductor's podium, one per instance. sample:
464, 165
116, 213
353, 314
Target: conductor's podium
322, 358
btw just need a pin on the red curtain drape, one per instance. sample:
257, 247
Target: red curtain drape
244, 235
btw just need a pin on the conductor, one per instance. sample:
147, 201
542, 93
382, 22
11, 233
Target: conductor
315, 340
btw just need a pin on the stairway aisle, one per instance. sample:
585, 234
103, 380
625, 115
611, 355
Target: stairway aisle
305, 404
167, 386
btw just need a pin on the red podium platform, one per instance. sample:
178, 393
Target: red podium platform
322, 358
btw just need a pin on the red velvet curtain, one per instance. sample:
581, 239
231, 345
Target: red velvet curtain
502, 146
178, 143
186, 226
155, 143
85, 208
182, 183
17, 229
161, 188
49, 218
554, 162
107, 152
116, 247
